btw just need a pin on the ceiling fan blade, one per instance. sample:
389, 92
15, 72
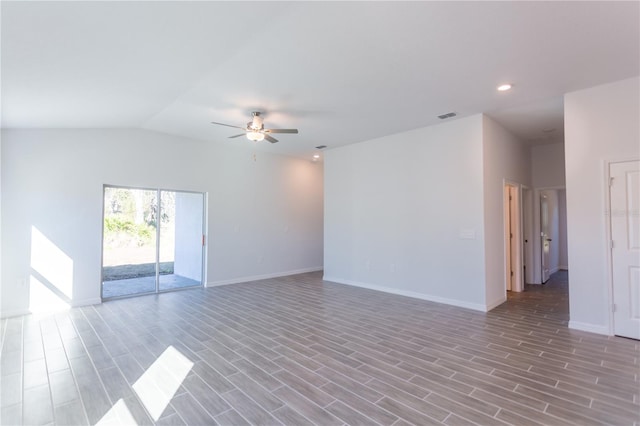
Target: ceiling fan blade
270, 139
237, 136
281, 130
228, 125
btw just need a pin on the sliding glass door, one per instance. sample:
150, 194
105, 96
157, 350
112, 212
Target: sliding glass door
181, 239
152, 241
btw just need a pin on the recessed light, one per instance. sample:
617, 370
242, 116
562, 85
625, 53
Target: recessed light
316, 156
504, 87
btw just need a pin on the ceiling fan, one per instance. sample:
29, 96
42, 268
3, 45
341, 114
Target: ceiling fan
255, 130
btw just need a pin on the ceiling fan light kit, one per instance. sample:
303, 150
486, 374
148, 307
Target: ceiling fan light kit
255, 136
255, 130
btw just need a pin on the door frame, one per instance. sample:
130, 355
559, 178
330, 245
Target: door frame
203, 280
537, 242
517, 240
527, 231
608, 236
543, 200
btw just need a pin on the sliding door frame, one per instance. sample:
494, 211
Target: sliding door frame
157, 257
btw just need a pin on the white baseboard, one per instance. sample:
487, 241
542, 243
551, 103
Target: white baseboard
262, 277
14, 313
429, 297
554, 270
497, 303
563, 268
74, 304
86, 302
591, 328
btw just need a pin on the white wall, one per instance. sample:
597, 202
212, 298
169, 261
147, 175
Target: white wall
547, 166
548, 171
563, 261
188, 235
264, 216
505, 158
601, 124
397, 207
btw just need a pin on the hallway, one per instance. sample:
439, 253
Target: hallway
549, 301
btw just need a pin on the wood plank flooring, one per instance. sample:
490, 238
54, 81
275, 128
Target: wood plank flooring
300, 351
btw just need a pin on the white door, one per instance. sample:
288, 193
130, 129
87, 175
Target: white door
545, 242
625, 251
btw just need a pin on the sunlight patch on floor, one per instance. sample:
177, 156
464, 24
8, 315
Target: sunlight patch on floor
159, 383
119, 414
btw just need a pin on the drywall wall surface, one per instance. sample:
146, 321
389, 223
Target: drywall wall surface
264, 212
404, 213
505, 159
601, 124
563, 261
187, 233
547, 166
548, 171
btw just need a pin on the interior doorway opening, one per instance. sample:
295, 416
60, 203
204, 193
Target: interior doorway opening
513, 241
152, 241
551, 252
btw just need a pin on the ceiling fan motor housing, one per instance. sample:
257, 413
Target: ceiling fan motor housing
256, 123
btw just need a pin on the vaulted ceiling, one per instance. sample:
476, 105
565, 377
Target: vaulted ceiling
341, 72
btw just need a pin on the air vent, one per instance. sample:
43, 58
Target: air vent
447, 115
321, 147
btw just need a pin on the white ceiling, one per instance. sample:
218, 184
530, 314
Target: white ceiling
341, 72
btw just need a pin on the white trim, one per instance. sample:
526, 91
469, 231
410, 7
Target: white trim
14, 313
537, 256
591, 328
563, 268
262, 277
423, 296
85, 302
554, 270
73, 304
607, 248
497, 303
608, 237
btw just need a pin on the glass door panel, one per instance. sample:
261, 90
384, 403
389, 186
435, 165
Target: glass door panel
181, 230
129, 242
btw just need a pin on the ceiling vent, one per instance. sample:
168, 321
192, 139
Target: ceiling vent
321, 147
447, 115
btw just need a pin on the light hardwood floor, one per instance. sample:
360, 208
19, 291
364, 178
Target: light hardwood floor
297, 350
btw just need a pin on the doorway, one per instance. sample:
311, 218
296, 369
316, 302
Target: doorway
514, 268
624, 199
551, 250
527, 234
545, 240
153, 241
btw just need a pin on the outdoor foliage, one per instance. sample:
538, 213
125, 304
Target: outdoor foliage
122, 232
131, 216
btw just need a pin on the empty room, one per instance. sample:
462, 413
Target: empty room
320, 213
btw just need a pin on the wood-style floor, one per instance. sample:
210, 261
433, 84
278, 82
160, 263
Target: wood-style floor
297, 351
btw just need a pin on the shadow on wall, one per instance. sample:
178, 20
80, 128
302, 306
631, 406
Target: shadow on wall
51, 276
